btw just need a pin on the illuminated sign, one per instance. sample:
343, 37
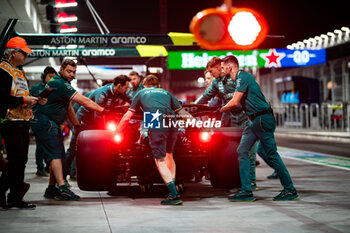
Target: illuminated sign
96, 52
139, 51
110, 39
267, 58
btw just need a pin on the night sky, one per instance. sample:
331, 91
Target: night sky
295, 20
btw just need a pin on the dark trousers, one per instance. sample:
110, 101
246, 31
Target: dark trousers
70, 155
16, 137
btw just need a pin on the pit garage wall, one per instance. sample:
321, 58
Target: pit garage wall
334, 72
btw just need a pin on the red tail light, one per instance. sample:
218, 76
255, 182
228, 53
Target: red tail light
117, 138
205, 136
111, 126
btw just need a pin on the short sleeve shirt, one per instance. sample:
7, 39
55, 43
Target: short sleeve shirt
253, 100
131, 92
57, 104
36, 89
153, 99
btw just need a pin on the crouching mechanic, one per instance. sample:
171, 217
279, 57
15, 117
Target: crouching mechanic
108, 96
46, 126
159, 102
249, 94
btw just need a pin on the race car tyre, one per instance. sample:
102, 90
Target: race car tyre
223, 158
95, 171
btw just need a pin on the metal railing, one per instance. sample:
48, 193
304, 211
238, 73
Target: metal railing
314, 116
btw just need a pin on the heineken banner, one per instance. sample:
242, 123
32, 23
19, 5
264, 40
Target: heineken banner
266, 58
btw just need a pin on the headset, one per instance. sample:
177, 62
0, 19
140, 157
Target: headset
47, 70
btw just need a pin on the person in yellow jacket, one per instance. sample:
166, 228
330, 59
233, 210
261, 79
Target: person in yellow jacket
15, 113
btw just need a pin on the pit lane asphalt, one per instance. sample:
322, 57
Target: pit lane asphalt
324, 206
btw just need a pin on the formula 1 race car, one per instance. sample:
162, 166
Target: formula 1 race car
105, 158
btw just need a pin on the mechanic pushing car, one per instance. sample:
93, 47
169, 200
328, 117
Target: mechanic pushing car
224, 87
108, 96
249, 94
159, 103
46, 126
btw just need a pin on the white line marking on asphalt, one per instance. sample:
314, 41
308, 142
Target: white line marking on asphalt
293, 154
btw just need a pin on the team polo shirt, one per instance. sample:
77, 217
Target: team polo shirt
106, 98
56, 108
153, 99
224, 87
132, 92
253, 100
36, 89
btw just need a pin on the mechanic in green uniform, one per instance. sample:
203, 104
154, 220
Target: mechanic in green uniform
136, 84
157, 103
249, 94
224, 87
108, 96
35, 90
46, 126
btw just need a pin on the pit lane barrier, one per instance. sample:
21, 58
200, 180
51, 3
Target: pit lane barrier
325, 116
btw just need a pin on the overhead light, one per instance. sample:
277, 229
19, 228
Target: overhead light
324, 36
99, 82
295, 45
326, 40
64, 17
65, 3
337, 31
155, 70
318, 38
301, 45
66, 29
71, 46
200, 80
345, 29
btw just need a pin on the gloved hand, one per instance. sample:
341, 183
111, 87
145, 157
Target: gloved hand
77, 129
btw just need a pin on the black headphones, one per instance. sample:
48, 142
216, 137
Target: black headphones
48, 70
43, 75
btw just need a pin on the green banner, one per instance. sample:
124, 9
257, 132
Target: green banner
108, 39
264, 58
86, 52
199, 59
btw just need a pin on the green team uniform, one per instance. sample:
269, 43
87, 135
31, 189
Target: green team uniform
132, 92
36, 89
39, 151
49, 117
262, 129
225, 87
151, 100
